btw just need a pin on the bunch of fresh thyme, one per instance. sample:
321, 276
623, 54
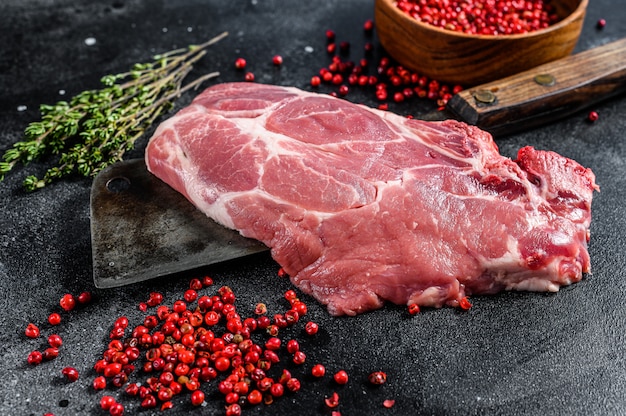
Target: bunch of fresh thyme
95, 128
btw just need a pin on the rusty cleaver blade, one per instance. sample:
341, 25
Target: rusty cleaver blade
142, 229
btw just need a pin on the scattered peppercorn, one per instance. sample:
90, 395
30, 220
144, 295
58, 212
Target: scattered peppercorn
601, 23
593, 116
414, 309
99, 383
311, 328
67, 302
299, 357
377, 378
190, 295
318, 371
32, 331
277, 60
233, 410
70, 373
249, 77
54, 319
55, 341
315, 81
332, 401
299, 307
84, 298
195, 284
240, 63
293, 346
389, 403
197, 398
34, 358
465, 304
341, 377
154, 299
50, 353
117, 409
277, 390
106, 402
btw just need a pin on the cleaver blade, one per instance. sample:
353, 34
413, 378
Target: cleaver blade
141, 229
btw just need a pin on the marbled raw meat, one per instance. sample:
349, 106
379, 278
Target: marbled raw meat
361, 206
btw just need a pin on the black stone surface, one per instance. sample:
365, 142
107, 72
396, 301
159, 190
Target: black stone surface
511, 354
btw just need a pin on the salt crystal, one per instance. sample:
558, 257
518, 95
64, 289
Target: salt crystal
21, 108
308, 49
90, 41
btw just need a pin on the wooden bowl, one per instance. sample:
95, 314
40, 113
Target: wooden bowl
469, 60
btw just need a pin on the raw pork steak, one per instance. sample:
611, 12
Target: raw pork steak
360, 206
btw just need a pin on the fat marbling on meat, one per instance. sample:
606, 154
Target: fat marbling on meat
361, 206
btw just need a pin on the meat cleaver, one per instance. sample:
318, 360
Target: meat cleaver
143, 229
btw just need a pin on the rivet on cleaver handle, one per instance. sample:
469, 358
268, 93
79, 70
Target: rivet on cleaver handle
143, 229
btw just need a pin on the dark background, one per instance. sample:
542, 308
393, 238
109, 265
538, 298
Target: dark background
514, 353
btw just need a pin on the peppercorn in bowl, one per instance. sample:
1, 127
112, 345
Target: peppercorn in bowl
476, 41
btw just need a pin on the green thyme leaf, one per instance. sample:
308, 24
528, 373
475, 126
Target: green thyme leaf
97, 127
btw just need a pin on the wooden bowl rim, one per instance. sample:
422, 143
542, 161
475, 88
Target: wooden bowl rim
580, 10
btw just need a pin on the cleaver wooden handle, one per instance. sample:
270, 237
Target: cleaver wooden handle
544, 93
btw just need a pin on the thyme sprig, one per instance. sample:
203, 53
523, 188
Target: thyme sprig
96, 127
